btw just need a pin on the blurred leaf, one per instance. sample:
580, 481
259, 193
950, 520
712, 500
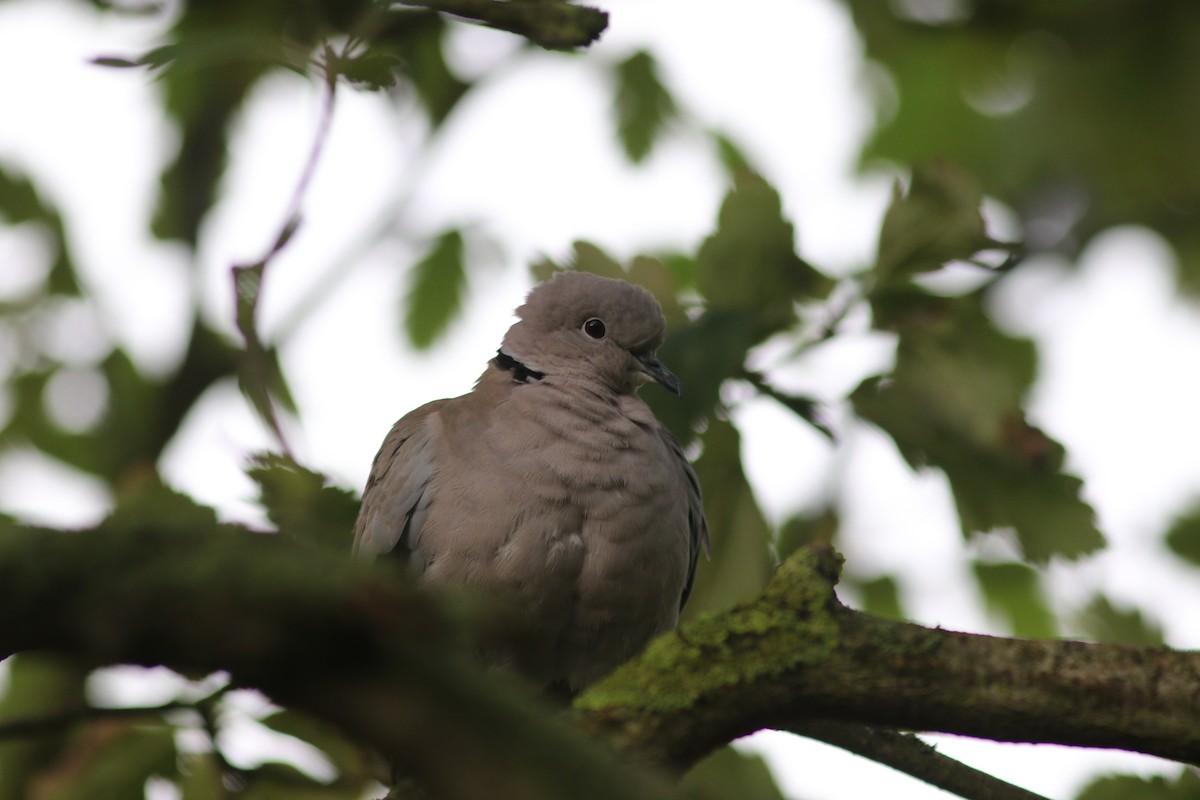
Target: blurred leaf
880, 596
937, 220
954, 401
260, 376
1104, 622
742, 561
415, 41
729, 772
749, 263
146, 503
438, 282
113, 759
730, 154
215, 55
654, 275
1014, 592
588, 257
302, 504
20, 202
274, 780
800, 531
200, 777
1184, 536
1077, 116
1128, 787
350, 760
39, 684
372, 71
703, 353
643, 105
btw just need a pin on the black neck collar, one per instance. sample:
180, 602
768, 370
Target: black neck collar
520, 372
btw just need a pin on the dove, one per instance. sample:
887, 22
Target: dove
551, 486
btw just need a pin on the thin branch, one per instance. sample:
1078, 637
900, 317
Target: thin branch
50, 724
810, 410
552, 24
906, 753
260, 378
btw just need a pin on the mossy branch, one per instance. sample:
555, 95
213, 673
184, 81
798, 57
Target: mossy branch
796, 653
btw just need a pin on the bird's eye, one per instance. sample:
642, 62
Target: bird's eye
594, 328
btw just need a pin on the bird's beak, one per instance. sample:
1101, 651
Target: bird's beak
658, 372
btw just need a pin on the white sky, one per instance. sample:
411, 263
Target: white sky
530, 163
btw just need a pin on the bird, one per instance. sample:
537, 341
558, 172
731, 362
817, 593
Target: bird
552, 486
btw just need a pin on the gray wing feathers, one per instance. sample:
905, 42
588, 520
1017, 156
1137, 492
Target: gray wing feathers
697, 524
396, 501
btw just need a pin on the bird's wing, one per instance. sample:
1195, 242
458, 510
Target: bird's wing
697, 524
396, 500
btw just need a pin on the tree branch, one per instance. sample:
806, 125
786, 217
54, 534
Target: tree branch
344, 641
553, 24
356, 645
906, 753
796, 653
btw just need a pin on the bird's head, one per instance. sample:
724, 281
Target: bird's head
582, 326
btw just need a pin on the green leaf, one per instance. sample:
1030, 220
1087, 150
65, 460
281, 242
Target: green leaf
350, 760
1104, 622
1084, 138
732, 157
1124, 787
703, 353
937, 220
200, 777
436, 295
274, 780
880, 596
742, 561
800, 531
413, 41
954, 401
39, 685
118, 757
1184, 536
302, 503
728, 772
146, 503
20, 203
1014, 592
749, 263
588, 257
643, 105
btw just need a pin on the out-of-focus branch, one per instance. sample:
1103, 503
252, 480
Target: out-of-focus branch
356, 645
552, 24
344, 641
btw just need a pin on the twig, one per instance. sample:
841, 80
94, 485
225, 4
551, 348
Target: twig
248, 278
53, 723
551, 24
906, 753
